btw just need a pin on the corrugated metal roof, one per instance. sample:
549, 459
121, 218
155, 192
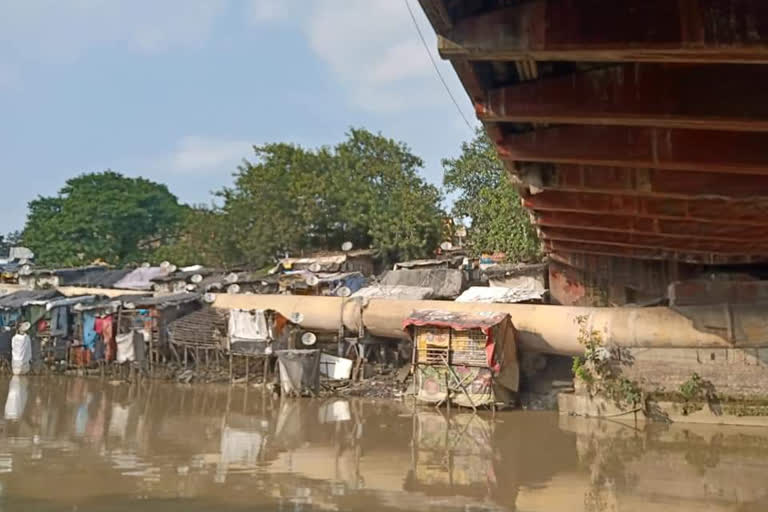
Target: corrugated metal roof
18, 299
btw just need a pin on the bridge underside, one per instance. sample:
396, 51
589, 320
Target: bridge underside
637, 129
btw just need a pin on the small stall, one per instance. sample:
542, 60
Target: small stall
95, 331
259, 334
149, 317
469, 359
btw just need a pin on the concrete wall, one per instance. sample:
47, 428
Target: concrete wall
734, 372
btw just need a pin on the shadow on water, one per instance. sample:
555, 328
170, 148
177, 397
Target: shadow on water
88, 445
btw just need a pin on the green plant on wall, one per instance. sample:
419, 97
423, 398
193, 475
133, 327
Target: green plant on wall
596, 368
695, 392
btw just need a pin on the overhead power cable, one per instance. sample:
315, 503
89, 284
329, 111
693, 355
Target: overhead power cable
434, 65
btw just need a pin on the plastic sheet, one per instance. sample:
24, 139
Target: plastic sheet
299, 371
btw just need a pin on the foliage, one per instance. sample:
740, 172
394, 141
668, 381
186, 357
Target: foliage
203, 238
695, 391
365, 190
491, 201
596, 369
101, 215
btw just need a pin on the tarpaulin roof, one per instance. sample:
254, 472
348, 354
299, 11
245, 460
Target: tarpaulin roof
329, 262
454, 319
446, 283
183, 275
92, 278
423, 263
21, 298
162, 300
487, 294
109, 302
394, 292
140, 278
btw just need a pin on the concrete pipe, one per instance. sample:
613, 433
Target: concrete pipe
541, 328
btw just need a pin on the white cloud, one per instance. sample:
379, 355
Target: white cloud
370, 46
53, 29
373, 50
207, 155
261, 11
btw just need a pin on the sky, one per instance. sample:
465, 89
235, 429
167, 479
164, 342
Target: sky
178, 91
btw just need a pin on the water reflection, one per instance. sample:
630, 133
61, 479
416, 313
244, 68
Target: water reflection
75, 443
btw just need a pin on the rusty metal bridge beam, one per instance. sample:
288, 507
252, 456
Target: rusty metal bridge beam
683, 229
647, 253
711, 97
612, 31
640, 181
660, 241
718, 211
657, 148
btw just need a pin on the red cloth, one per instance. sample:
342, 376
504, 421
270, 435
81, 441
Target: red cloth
104, 327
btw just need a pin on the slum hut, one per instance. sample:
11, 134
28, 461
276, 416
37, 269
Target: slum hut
397, 292
260, 335
200, 336
526, 292
180, 281
95, 334
141, 278
516, 275
15, 308
446, 283
258, 282
424, 264
469, 359
305, 282
54, 330
150, 317
361, 260
97, 276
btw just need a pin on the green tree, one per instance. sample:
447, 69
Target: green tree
101, 215
491, 201
203, 237
366, 190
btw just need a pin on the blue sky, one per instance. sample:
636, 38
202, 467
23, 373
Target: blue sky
178, 90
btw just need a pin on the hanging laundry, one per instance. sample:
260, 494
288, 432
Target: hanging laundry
247, 326
89, 331
104, 328
21, 353
59, 321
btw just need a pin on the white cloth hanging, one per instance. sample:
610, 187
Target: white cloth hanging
126, 350
248, 326
21, 354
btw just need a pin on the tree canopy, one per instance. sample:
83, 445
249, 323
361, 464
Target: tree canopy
365, 190
101, 215
491, 201
287, 199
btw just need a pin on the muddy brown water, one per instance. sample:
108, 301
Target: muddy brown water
86, 445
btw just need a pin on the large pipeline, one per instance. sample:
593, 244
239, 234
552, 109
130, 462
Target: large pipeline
541, 328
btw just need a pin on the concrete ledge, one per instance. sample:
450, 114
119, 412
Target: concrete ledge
581, 404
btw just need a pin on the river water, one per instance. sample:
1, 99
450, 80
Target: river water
81, 445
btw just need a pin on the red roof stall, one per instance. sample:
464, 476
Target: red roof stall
467, 358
